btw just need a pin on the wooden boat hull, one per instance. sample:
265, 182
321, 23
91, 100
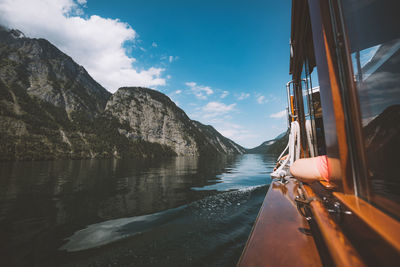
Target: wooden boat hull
281, 236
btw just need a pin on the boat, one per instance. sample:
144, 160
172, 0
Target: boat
343, 102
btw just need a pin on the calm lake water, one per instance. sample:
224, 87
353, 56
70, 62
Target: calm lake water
176, 212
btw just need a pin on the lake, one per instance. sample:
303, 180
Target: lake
176, 212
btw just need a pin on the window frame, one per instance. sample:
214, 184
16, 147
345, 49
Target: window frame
378, 224
344, 140
352, 108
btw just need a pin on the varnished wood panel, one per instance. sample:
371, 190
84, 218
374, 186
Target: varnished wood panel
342, 251
280, 236
387, 227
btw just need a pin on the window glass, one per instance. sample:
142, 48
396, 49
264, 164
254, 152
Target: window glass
374, 36
313, 110
305, 86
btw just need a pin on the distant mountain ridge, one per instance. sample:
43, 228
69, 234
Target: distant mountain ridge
273, 146
51, 108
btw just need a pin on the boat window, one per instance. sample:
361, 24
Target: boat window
305, 86
374, 36
313, 110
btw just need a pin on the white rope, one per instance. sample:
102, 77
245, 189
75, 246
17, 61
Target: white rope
309, 137
283, 152
296, 141
294, 151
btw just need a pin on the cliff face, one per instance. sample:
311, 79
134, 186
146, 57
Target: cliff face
215, 140
153, 117
51, 108
42, 71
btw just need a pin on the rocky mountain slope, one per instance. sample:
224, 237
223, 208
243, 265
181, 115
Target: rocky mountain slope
51, 108
274, 146
382, 140
153, 117
42, 71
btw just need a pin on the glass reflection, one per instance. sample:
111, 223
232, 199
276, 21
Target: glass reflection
374, 35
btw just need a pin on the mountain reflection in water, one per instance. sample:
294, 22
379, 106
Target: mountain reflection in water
140, 213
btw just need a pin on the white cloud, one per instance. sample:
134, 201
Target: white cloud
228, 129
199, 91
178, 92
169, 77
218, 107
214, 109
243, 96
240, 136
154, 44
232, 130
94, 42
278, 115
273, 98
191, 84
260, 99
172, 58
220, 116
224, 94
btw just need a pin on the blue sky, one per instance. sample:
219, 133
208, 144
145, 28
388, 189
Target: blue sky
225, 63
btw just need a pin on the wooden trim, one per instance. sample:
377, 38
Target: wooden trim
280, 236
328, 185
342, 251
387, 227
355, 129
339, 118
330, 94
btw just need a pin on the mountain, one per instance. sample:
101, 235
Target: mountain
280, 135
382, 140
51, 108
274, 146
153, 117
36, 68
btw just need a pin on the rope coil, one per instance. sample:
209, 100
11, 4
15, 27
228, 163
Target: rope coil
293, 154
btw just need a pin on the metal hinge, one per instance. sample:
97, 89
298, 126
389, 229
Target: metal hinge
303, 206
336, 209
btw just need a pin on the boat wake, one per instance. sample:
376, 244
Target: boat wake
210, 231
103, 233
